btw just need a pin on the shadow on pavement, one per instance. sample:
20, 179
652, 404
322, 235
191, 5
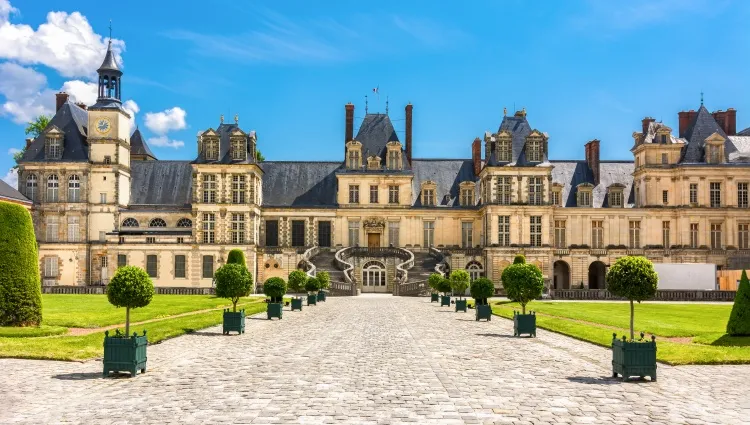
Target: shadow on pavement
598, 380
497, 335
82, 376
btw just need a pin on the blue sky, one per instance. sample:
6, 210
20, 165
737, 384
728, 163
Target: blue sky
583, 69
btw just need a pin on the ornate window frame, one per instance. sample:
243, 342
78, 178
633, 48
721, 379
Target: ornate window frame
585, 195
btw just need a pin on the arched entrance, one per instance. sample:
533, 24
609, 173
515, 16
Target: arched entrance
475, 270
373, 277
561, 275
597, 272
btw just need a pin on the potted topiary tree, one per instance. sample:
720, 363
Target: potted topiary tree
275, 288
433, 281
739, 319
130, 287
297, 280
312, 286
444, 286
460, 283
325, 282
633, 278
523, 283
233, 281
482, 289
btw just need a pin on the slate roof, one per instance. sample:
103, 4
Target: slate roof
447, 175
9, 192
161, 183
72, 120
737, 149
299, 184
225, 156
519, 127
138, 146
702, 126
572, 173
374, 133
110, 63
653, 127
745, 132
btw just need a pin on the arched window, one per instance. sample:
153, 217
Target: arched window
184, 222
53, 185
475, 270
373, 276
157, 222
31, 187
74, 188
130, 222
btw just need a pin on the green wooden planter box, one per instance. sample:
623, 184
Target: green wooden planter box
234, 321
125, 354
434, 298
321, 296
524, 324
274, 310
297, 304
461, 306
312, 299
445, 300
633, 358
484, 312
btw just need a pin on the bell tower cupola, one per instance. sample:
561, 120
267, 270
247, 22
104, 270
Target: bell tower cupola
109, 78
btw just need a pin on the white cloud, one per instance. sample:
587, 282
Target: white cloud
81, 91
163, 122
11, 177
65, 43
624, 16
165, 142
132, 108
26, 93
13, 151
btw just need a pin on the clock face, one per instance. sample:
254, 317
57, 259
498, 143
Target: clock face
103, 125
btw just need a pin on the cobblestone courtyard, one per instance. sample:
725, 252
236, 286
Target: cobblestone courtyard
372, 360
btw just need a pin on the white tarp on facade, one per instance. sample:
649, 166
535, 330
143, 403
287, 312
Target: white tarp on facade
701, 276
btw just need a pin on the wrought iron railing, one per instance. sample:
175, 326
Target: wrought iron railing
309, 267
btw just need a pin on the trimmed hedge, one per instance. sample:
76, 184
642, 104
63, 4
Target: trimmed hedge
739, 319
20, 283
236, 256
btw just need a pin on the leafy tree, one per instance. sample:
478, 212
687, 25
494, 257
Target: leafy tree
444, 286
325, 279
233, 281
460, 282
259, 156
519, 259
130, 287
33, 128
312, 285
633, 278
275, 288
236, 256
434, 280
739, 319
523, 283
481, 289
20, 284
297, 280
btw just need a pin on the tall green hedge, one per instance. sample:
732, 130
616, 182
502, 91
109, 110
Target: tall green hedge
20, 284
739, 319
236, 256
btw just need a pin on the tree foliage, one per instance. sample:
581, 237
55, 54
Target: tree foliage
739, 319
275, 288
481, 289
34, 129
460, 282
324, 278
297, 280
236, 256
633, 278
434, 281
444, 286
519, 259
523, 283
233, 281
130, 287
312, 285
20, 284
259, 156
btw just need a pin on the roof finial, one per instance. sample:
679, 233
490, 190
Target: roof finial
221, 119
505, 111
701, 97
110, 31
365, 104
237, 119
386, 105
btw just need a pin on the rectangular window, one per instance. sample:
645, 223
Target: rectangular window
238, 149
238, 189
74, 189
180, 240
122, 260
556, 198
102, 198
505, 151
103, 261
107, 160
238, 228
584, 198
53, 230
560, 233
151, 265
209, 188
716, 236
665, 234
208, 267
535, 230
179, 266
209, 228
535, 190
74, 229
665, 197
742, 195
50, 267
393, 194
429, 233
715, 194
353, 194
467, 234
635, 234
503, 190
597, 234
324, 233
664, 159
615, 199
298, 232
353, 233
428, 197
150, 239
743, 235
693, 235
534, 150
693, 193
272, 233
373, 194
503, 230
53, 186
467, 197
393, 228
393, 160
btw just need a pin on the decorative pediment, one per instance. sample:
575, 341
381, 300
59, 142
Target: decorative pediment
504, 133
536, 134
210, 133
237, 132
715, 139
466, 185
429, 184
374, 223
395, 144
53, 131
585, 186
557, 185
616, 186
353, 144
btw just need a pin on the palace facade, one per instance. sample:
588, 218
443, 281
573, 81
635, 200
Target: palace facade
101, 199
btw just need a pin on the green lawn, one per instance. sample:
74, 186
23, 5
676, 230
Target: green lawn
697, 330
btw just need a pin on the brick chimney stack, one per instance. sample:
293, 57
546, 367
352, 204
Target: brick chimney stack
685, 119
646, 122
727, 120
28, 142
81, 105
592, 158
60, 99
349, 133
408, 111
476, 155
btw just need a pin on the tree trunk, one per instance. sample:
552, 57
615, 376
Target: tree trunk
127, 321
234, 306
632, 313
523, 308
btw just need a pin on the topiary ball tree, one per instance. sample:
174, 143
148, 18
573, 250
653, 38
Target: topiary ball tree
482, 289
233, 281
325, 279
739, 319
20, 284
523, 283
312, 285
632, 278
275, 288
459, 282
519, 259
236, 256
434, 281
130, 287
297, 280
444, 286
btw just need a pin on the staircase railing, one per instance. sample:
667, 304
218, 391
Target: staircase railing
340, 260
402, 270
309, 267
442, 265
420, 287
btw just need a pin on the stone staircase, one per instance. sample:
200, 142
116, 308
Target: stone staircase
324, 261
424, 266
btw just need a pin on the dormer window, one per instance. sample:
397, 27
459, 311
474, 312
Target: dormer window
585, 195
504, 148
373, 162
556, 194
394, 156
428, 193
534, 147
714, 149
238, 149
53, 147
467, 194
211, 149
664, 139
615, 197
354, 155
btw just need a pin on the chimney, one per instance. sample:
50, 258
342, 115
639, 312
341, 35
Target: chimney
476, 155
592, 158
60, 99
349, 133
731, 129
408, 131
646, 122
28, 142
81, 105
685, 119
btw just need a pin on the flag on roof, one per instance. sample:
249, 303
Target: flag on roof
375, 90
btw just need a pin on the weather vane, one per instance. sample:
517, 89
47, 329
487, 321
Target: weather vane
110, 30
365, 104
